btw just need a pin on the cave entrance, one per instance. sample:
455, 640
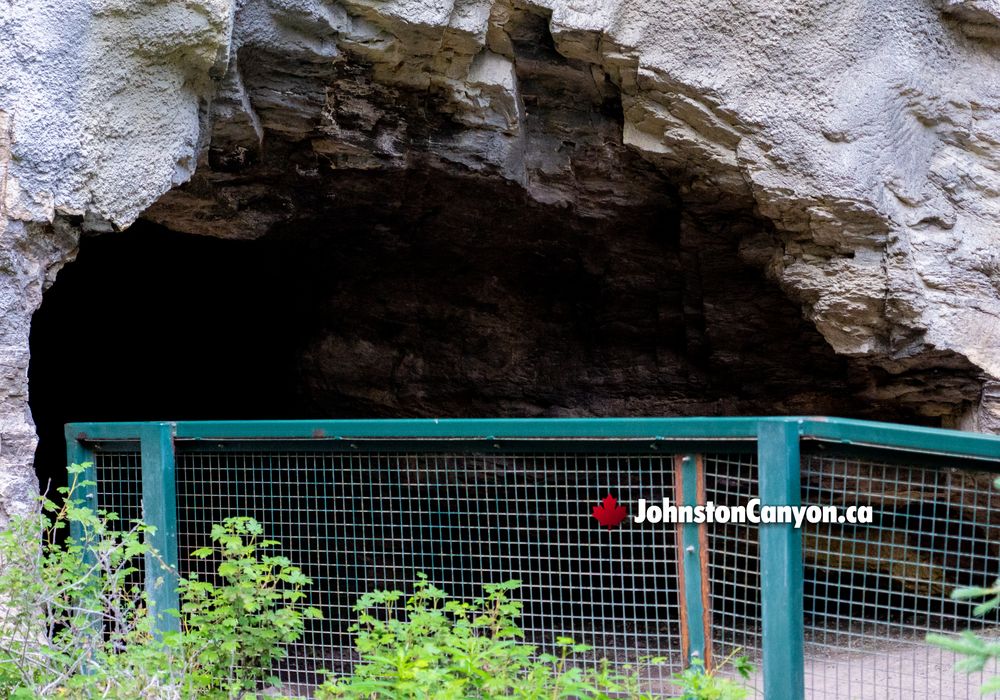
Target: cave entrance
424, 295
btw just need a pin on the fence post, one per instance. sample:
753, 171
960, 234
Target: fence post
159, 509
692, 563
781, 562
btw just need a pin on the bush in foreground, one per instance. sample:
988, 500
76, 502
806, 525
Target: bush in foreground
431, 647
75, 620
75, 623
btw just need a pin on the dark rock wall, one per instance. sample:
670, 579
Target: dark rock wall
418, 295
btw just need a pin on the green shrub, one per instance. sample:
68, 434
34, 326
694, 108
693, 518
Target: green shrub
56, 598
75, 620
694, 683
236, 630
75, 623
428, 646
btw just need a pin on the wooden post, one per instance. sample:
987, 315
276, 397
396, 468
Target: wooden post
692, 563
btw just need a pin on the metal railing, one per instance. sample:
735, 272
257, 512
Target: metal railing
367, 504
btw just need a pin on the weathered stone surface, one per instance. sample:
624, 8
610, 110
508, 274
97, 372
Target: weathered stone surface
30, 255
101, 108
849, 150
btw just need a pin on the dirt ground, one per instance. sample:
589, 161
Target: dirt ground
908, 672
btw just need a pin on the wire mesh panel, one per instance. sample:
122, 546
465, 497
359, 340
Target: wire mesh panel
119, 483
734, 564
118, 475
873, 591
371, 520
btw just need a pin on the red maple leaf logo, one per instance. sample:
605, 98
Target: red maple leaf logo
609, 513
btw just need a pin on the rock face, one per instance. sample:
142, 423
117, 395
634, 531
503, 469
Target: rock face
849, 153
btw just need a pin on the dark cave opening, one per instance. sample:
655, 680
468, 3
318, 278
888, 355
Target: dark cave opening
411, 295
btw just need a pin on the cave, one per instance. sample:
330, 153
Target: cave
431, 292
421, 294
360, 237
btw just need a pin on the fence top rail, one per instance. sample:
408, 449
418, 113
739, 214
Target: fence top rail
836, 431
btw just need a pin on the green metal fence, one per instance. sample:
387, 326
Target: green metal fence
826, 611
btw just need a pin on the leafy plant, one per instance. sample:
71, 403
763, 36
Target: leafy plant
68, 611
696, 683
430, 646
235, 630
75, 620
977, 652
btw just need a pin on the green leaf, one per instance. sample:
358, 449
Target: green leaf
967, 644
992, 685
985, 607
966, 593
